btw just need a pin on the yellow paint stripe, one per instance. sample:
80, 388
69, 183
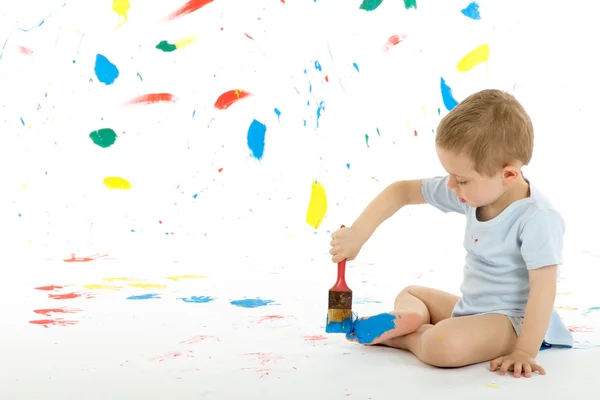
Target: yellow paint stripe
317, 208
477, 56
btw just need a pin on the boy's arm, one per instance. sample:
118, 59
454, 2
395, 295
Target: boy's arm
386, 204
542, 293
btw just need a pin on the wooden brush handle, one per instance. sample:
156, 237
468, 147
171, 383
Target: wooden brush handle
340, 285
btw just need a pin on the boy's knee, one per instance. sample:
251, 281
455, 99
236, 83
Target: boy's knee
441, 350
412, 289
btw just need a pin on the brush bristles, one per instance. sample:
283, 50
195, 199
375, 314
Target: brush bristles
338, 314
339, 320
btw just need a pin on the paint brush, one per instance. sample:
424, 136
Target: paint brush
339, 314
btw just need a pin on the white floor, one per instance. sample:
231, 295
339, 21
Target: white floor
166, 348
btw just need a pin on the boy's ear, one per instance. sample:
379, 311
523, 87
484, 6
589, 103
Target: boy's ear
510, 173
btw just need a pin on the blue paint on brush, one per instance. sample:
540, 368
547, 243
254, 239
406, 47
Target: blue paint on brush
144, 297
256, 138
368, 329
447, 97
106, 71
471, 11
345, 326
251, 303
196, 299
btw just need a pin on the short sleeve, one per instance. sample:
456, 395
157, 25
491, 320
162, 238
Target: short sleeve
435, 192
542, 239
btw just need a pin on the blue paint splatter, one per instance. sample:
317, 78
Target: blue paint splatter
368, 329
365, 301
304, 122
348, 165
318, 66
22, 122
144, 297
356, 66
196, 299
278, 113
33, 27
4, 47
447, 97
106, 71
471, 11
321, 108
251, 303
193, 114
19, 215
256, 138
309, 87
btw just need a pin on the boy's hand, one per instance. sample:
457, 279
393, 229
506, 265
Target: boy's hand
518, 362
345, 244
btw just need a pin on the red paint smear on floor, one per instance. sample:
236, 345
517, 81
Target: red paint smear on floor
56, 322
51, 287
48, 311
189, 7
85, 259
326, 78
394, 40
25, 50
230, 97
315, 337
64, 296
199, 338
249, 37
169, 356
152, 98
270, 318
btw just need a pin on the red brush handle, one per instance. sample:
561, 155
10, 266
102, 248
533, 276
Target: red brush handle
340, 284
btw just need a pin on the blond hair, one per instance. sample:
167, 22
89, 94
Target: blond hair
491, 127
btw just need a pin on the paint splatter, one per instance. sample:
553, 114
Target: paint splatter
370, 5
147, 285
256, 139
106, 72
408, 4
121, 7
319, 110
65, 296
591, 309
144, 297
318, 66
185, 42
278, 113
230, 97
166, 46
270, 318
25, 51
47, 312
100, 286
119, 279
152, 98
49, 288
317, 206
447, 97
355, 65
93, 257
188, 8
492, 386
368, 329
104, 138
169, 356
365, 300
115, 182
251, 303
394, 40
179, 277
55, 322
315, 337
196, 299
198, 339
477, 56
367, 139
471, 11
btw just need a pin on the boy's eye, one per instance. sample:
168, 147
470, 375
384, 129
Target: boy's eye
460, 183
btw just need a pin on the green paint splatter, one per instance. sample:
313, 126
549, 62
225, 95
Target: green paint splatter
367, 139
439, 111
74, 61
140, 76
589, 310
410, 4
166, 46
378, 134
104, 137
371, 5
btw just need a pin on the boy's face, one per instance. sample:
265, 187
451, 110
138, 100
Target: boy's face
469, 186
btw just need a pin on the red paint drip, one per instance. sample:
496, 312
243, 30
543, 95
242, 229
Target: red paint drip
394, 40
248, 36
230, 97
152, 98
25, 50
48, 311
189, 7
51, 287
85, 259
56, 322
64, 296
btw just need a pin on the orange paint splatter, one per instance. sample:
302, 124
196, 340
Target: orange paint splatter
85, 259
47, 312
393, 40
152, 98
51, 287
25, 50
64, 296
188, 8
56, 322
230, 97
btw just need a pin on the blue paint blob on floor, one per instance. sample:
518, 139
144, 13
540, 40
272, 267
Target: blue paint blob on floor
144, 297
447, 97
368, 329
471, 11
256, 138
278, 113
318, 66
251, 303
106, 72
196, 299
355, 65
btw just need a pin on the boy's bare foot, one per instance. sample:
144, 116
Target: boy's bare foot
381, 327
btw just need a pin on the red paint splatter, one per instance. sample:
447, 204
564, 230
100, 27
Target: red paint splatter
315, 337
160, 222
170, 356
64, 296
56, 322
51, 287
199, 338
230, 97
581, 329
476, 240
415, 132
189, 7
152, 98
248, 36
326, 78
393, 40
220, 169
270, 318
49, 311
25, 50
85, 259
283, 1
375, 179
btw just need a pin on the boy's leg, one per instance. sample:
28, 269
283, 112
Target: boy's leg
456, 342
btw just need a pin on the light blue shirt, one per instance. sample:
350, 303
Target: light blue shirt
527, 235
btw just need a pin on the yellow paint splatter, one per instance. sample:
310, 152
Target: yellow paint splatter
474, 58
176, 278
100, 286
114, 182
317, 206
147, 286
121, 279
492, 386
180, 44
121, 7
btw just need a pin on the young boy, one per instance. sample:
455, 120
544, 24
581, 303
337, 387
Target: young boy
513, 239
